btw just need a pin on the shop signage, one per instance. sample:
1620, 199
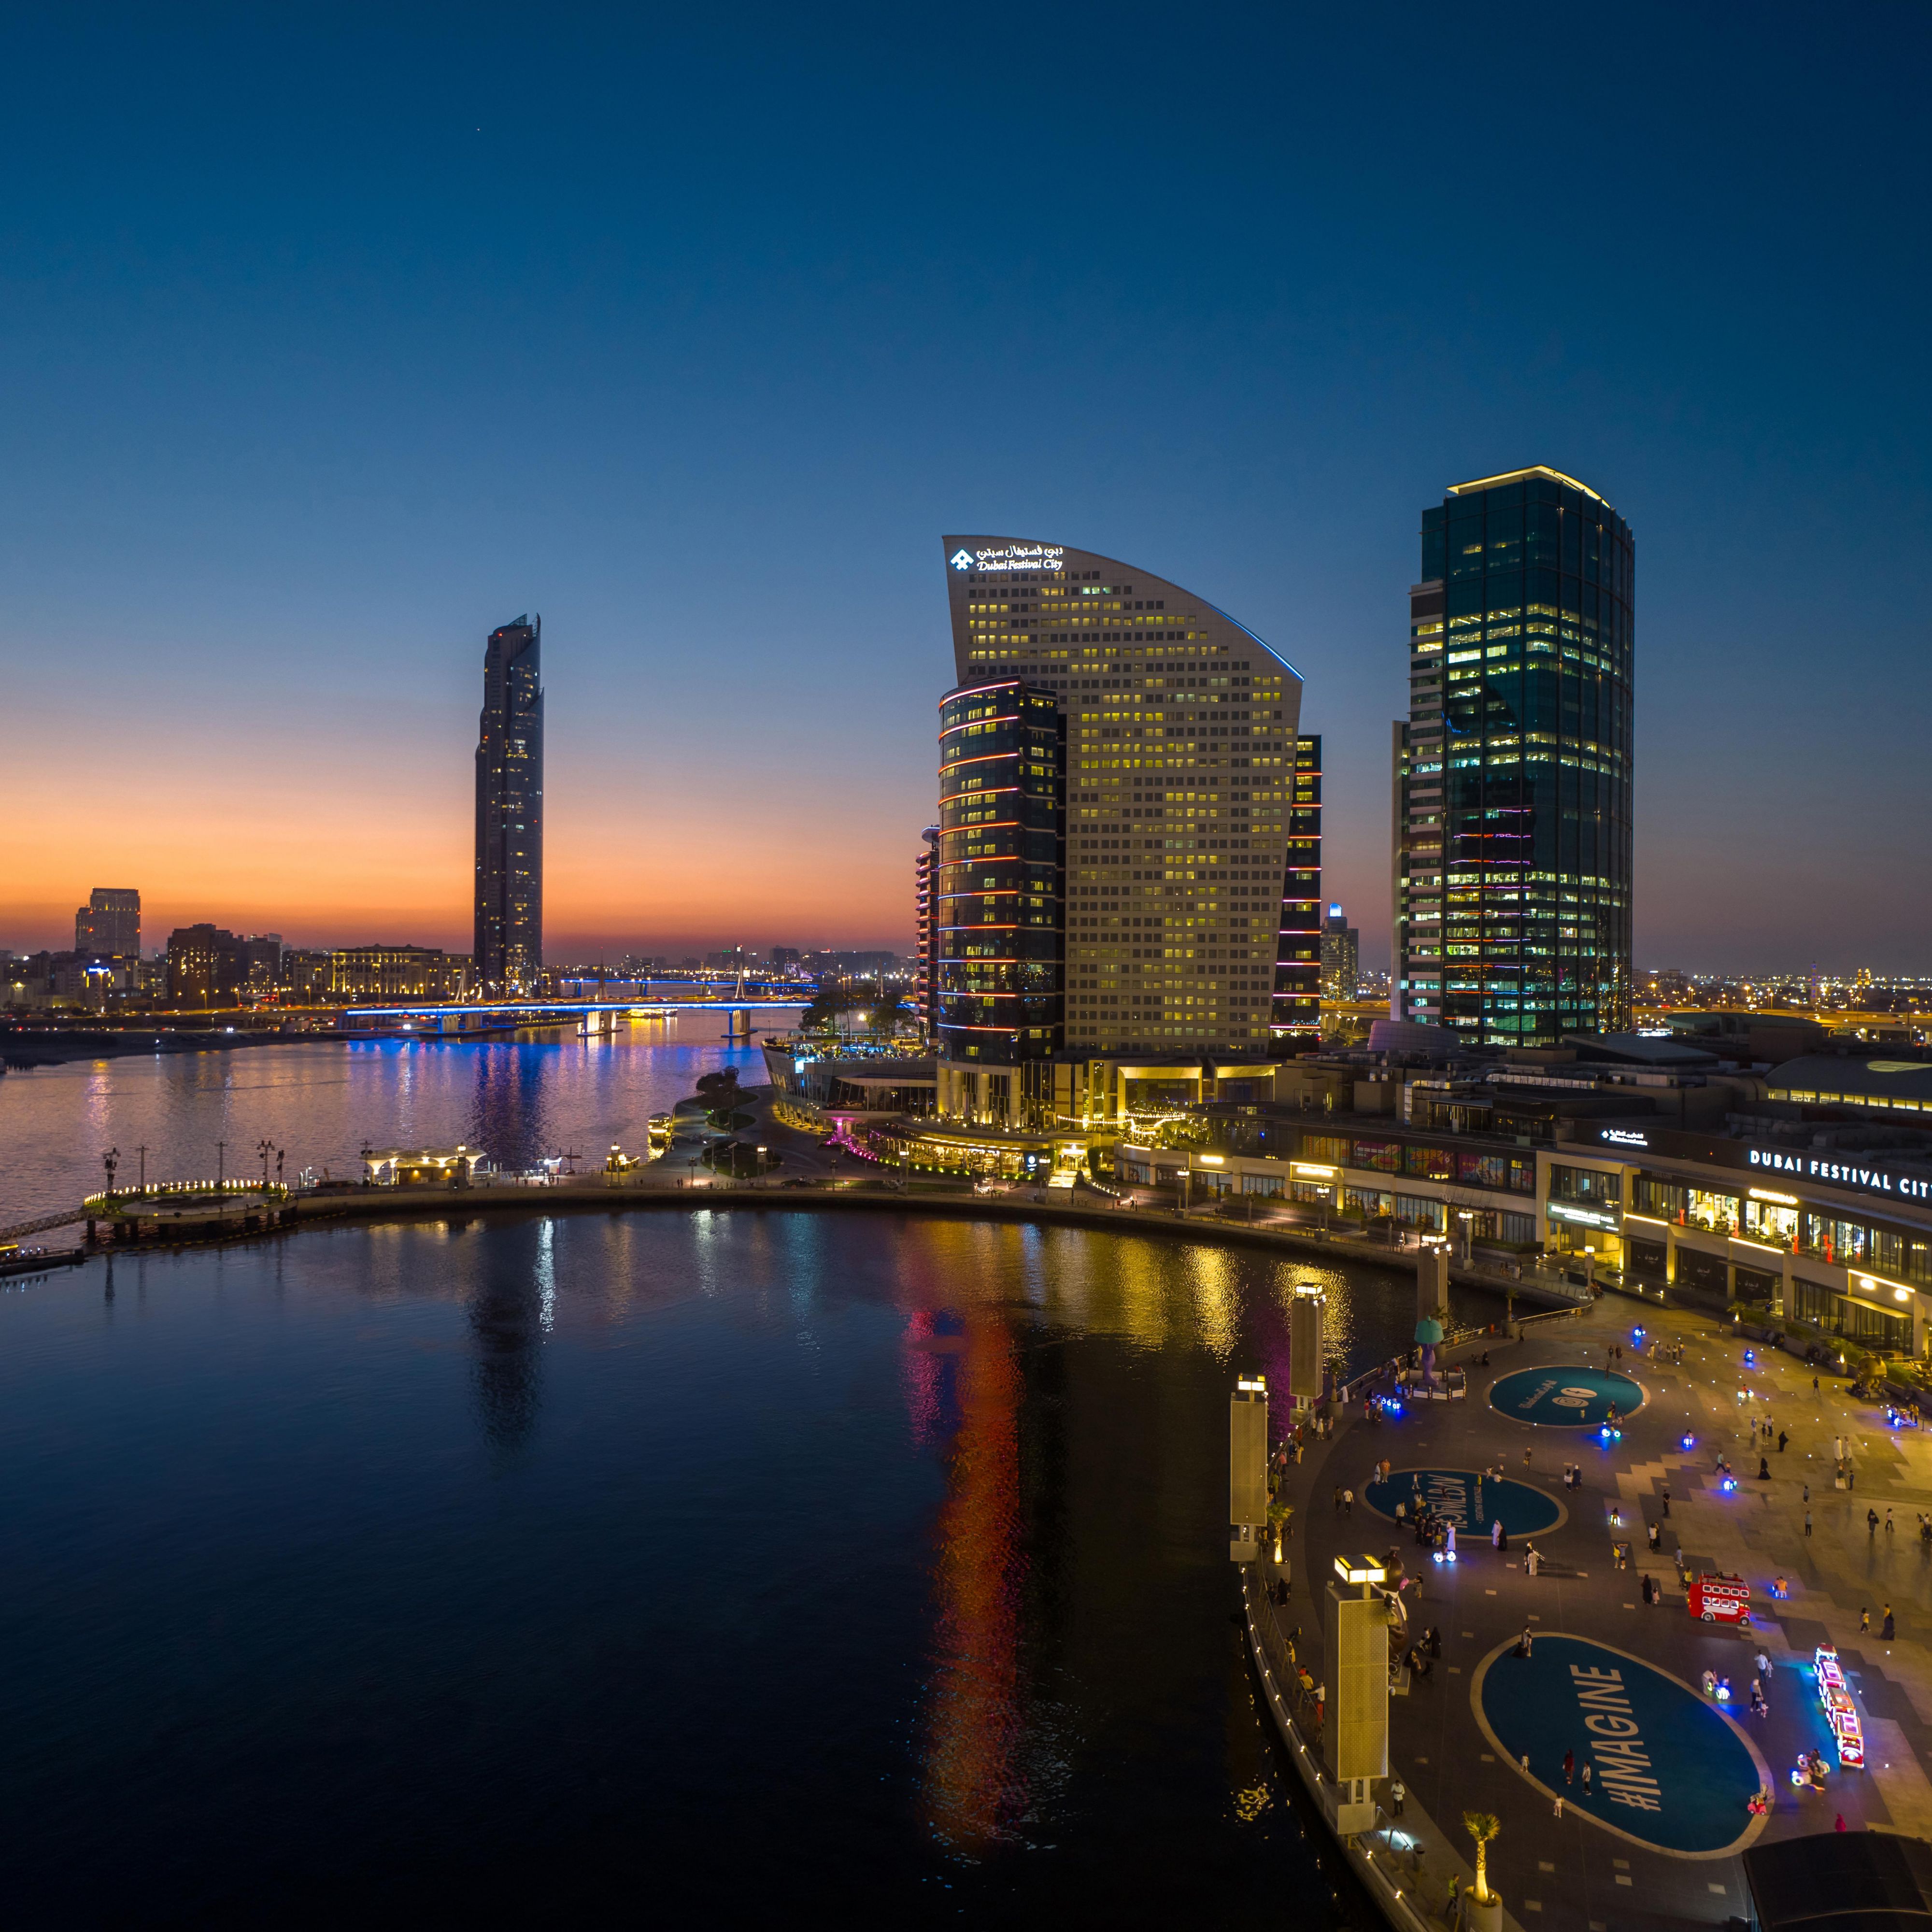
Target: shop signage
1670, 1769
1623, 1137
1842, 1174
1590, 1217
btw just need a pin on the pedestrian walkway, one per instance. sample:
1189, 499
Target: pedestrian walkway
1654, 1839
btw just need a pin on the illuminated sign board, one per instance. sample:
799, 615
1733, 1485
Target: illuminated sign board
1843, 1174
1010, 557
1623, 1137
1591, 1217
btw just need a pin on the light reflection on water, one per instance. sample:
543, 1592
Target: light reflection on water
874, 1563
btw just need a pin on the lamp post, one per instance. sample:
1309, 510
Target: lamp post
220, 1170
142, 1151
265, 1148
1468, 1221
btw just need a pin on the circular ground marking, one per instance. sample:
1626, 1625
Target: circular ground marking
1667, 1768
1468, 1499
1565, 1397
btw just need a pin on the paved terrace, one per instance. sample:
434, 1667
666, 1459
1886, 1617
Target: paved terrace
1577, 1871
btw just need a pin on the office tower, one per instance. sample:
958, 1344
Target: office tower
509, 812
1179, 729
926, 921
1341, 956
1002, 758
260, 962
109, 924
1296, 1021
1511, 778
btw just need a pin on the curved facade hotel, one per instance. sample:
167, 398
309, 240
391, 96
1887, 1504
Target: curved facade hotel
1512, 864
1129, 859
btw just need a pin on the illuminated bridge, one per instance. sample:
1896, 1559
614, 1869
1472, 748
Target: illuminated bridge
450, 1020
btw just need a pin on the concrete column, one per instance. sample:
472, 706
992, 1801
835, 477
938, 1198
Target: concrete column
1432, 1284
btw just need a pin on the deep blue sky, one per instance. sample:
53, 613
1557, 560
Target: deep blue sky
331, 337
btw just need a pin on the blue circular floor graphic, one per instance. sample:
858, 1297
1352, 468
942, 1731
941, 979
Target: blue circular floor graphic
1666, 1767
1468, 1499
1566, 1397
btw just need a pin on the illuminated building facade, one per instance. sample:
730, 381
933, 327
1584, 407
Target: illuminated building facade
396, 972
925, 922
108, 926
1341, 956
1511, 777
1189, 897
509, 812
1002, 756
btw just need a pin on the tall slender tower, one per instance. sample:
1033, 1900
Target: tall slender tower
1512, 775
1162, 897
509, 812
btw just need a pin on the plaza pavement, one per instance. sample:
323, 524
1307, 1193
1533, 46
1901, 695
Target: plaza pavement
1574, 1872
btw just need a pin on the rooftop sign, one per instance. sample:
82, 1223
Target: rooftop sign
1843, 1174
1010, 557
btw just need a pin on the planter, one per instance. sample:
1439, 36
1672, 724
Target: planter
1483, 1915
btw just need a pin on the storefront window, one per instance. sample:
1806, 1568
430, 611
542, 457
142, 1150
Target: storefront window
1848, 1244
1900, 1256
1586, 1186
1312, 1191
1765, 1221
1331, 1148
1484, 1170
1367, 1202
1663, 1199
1420, 1212
1385, 1156
1262, 1184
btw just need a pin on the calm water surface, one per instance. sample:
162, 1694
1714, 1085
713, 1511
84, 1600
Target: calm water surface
324, 1101
742, 1563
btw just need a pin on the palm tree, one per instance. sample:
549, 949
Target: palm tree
1482, 1826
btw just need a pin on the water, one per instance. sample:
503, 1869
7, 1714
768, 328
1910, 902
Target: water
322, 1101
718, 1562
734, 1562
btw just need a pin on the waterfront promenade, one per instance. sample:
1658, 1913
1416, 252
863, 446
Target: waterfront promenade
1669, 1858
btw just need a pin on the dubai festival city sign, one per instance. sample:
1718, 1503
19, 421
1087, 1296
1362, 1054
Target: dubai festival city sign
1667, 1767
1565, 1397
1009, 556
1468, 1498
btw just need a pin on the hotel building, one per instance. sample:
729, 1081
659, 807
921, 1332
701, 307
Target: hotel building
1130, 832
509, 812
1511, 846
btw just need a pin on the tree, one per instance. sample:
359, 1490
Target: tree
822, 1016
719, 1090
1482, 1826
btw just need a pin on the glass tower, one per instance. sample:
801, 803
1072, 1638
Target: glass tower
1189, 886
1512, 775
509, 812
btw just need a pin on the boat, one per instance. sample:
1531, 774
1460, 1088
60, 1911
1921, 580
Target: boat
659, 1127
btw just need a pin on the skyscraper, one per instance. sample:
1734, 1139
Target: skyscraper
509, 812
110, 924
926, 920
1178, 843
1511, 845
1341, 956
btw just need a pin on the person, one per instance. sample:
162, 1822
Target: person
1808, 1523
1888, 1519
1656, 1536
1782, 1439
1865, 1623
1763, 1470
1348, 1500
1890, 1629
1807, 1492
1485, 1362
1455, 1896
1397, 1794
1526, 1642
1664, 1494
1709, 1681
1338, 1498
1526, 1459
1559, 1806
1434, 1640
1586, 1778
1840, 1825
1533, 1561
1449, 1542
1496, 1533
1871, 1522
1569, 1767
1814, 1384
1763, 1663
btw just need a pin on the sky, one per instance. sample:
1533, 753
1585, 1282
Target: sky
332, 336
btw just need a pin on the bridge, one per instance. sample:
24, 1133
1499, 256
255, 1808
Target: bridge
452, 1019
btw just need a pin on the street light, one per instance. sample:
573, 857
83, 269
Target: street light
265, 1148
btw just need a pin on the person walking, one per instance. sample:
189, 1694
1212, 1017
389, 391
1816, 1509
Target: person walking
1807, 1492
1569, 1767
1348, 1502
1808, 1523
1865, 1623
1586, 1779
1664, 1494
1871, 1524
1890, 1629
1782, 1439
1559, 1807
1528, 1649
1888, 1519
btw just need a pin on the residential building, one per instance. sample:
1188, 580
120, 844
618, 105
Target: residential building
261, 963
1341, 956
397, 972
108, 926
509, 812
1185, 907
1511, 850
206, 966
